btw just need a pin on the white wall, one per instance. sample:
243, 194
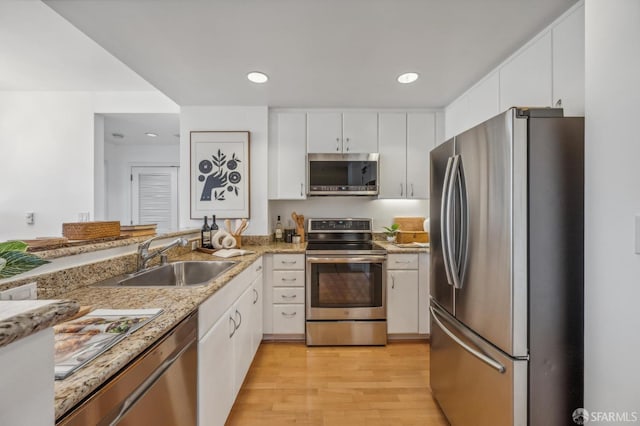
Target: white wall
99, 172
381, 211
612, 269
120, 159
253, 119
46, 161
47, 154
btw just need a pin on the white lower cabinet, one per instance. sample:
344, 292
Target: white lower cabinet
229, 325
402, 303
284, 299
408, 294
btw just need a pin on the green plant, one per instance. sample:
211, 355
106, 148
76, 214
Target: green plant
392, 230
15, 260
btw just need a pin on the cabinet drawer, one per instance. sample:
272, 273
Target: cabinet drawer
288, 261
402, 261
288, 278
288, 295
288, 319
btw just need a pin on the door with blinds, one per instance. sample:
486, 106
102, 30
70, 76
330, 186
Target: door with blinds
154, 197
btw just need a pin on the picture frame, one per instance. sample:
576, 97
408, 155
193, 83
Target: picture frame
220, 174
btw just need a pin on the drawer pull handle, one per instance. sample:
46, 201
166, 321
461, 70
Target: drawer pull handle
284, 296
402, 261
289, 279
256, 293
285, 314
289, 262
234, 326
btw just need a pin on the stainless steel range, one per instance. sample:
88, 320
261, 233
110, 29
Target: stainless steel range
345, 284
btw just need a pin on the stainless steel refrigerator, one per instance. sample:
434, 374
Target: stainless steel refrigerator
506, 282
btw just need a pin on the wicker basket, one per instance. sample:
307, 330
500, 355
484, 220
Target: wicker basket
90, 230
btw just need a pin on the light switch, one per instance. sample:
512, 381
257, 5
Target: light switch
637, 234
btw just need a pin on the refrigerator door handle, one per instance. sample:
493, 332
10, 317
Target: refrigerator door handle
482, 357
444, 221
463, 242
450, 248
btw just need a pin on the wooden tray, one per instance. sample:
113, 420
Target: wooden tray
403, 237
91, 230
46, 242
410, 223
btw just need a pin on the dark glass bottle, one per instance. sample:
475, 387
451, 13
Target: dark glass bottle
205, 234
214, 225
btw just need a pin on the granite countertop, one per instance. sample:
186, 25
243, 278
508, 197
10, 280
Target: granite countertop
20, 318
177, 303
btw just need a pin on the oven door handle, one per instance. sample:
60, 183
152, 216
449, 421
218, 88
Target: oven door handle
368, 259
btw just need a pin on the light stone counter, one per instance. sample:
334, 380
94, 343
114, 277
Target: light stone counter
393, 249
21, 318
177, 303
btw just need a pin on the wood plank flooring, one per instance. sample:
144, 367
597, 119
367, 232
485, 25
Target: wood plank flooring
291, 384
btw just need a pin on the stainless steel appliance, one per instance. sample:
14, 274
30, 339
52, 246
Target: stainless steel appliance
345, 284
158, 388
507, 270
342, 174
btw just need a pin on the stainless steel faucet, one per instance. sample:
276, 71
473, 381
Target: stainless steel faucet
143, 250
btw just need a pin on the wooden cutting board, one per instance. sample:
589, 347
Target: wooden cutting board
410, 223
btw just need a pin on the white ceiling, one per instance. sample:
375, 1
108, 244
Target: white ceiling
134, 126
318, 53
40, 50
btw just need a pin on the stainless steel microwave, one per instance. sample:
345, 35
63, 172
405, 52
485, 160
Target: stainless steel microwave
343, 174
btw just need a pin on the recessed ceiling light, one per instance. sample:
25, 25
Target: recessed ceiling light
151, 134
257, 77
408, 77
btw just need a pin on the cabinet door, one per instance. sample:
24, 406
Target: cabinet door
324, 132
392, 132
421, 137
526, 79
424, 321
243, 337
402, 301
292, 156
359, 132
256, 314
568, 64
216, 372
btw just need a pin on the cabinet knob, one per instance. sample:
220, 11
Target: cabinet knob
401, 190
412, 190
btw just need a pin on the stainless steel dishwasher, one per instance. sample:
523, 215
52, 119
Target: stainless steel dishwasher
158, 388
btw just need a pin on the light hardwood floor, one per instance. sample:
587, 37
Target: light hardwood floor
291, 384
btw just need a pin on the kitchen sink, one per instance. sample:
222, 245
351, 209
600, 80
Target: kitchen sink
177, 274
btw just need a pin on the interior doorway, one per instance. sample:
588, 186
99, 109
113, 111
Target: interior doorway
154, 196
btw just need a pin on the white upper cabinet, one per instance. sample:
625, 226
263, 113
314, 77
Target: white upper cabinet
568, 64
336, 133
421, 138
288, 156
526, 79
359, 132
405, 142
393, 154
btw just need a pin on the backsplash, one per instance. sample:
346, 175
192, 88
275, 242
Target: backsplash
381, 211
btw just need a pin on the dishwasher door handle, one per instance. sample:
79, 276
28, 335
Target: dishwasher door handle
130, 402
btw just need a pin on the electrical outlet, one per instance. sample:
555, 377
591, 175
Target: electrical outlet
30, 218
24, 292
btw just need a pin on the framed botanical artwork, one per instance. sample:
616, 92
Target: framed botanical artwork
219, 174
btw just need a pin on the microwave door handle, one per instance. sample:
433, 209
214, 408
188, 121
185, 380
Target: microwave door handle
444, 219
